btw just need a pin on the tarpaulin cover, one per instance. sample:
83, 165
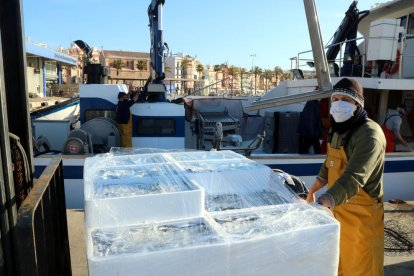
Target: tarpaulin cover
200, 213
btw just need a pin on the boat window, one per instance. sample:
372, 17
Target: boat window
403, 21
410, 27
91, 114
156, 127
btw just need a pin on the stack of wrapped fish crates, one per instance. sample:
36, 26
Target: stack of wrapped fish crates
200, 213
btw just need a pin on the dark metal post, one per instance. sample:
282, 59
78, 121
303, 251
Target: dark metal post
59, 73
14, 60
44, 77
14, 116
8, 211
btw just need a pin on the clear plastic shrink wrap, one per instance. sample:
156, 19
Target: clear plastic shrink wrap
200, 213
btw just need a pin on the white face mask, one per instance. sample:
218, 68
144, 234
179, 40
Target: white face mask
342, 111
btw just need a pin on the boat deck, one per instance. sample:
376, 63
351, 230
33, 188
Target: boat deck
39, 103
399, 217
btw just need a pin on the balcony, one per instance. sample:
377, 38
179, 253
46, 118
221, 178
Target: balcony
127, 74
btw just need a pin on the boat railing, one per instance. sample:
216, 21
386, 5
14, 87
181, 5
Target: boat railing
231, 88
41, 229
303, 59
300, 61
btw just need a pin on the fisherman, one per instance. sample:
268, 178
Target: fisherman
353, 172
123, 117
391, 127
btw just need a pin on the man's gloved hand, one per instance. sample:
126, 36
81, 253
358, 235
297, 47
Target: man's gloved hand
326, 200
323, 201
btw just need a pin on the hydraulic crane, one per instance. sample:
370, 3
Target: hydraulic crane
347, 31
154, 89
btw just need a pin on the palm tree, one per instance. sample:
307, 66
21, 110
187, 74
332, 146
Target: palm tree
217, 68
278, 73
233, 71
118, 64
287, 75
199, 69
142, 64
257, 71
267, 75
185, 63
243, 72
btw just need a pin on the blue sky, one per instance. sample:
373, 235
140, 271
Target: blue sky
216, 31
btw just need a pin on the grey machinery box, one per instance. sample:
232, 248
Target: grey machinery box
281, 132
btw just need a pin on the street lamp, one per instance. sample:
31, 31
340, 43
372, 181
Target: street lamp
251, 72
251, 81
253, 56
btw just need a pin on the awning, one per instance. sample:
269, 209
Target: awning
37, 50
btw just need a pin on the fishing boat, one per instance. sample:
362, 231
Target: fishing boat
198, 123
264, 129
67, 109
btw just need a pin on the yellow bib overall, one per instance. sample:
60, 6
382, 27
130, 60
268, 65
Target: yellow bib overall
362, 225
126, 133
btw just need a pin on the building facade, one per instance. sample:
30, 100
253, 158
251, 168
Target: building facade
180, 71
48, 70
131, 68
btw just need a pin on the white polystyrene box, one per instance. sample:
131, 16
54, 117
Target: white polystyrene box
296, 240
253, 185
383, 39
217, 166
202, 156
229, 180
122, 205
206, 256
280, 239
145, 208
126, 156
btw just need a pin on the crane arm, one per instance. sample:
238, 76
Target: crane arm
157, 43
154, 87
346, 31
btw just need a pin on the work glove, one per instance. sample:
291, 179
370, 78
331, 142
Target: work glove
322, 200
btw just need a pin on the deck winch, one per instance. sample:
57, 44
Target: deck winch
94, 136
208, 117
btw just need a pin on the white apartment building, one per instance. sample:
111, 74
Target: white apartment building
180, 72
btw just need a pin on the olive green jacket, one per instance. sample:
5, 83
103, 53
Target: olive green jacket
365, 151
